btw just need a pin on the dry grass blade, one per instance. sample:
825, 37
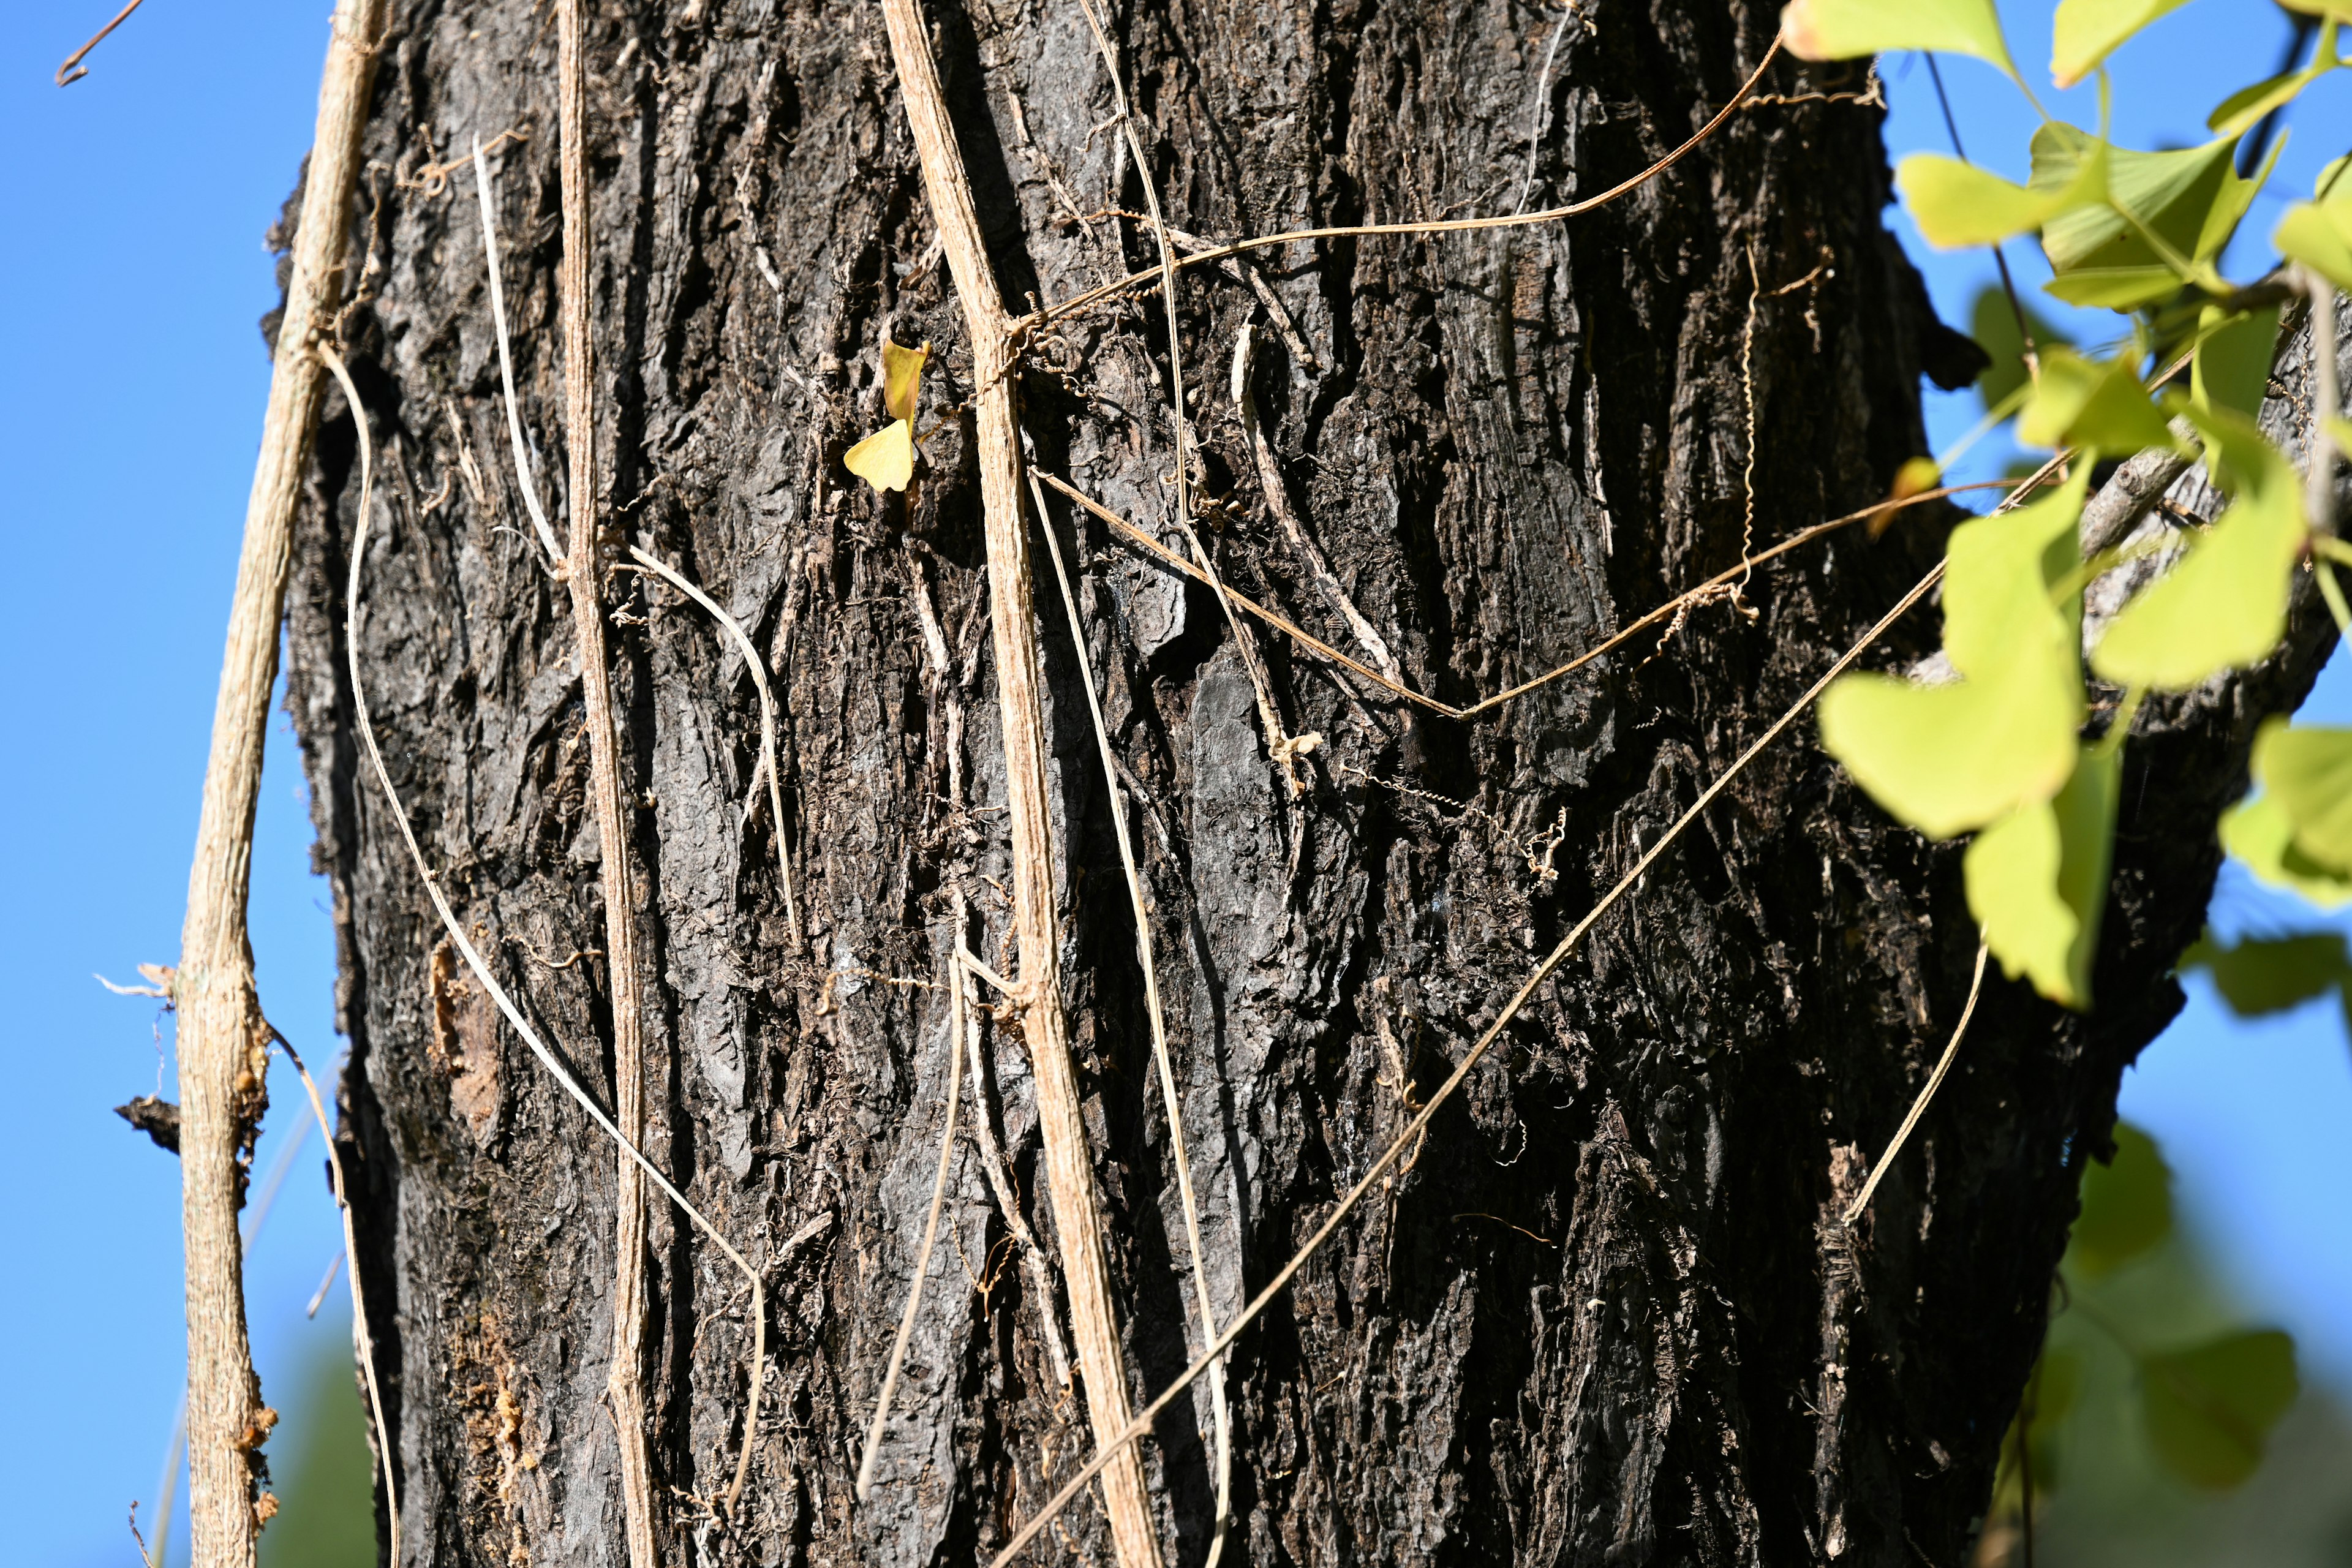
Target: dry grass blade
363, 1341
524, 478
930, 1229
1414, 1129
758, 667
480, 968
1680, 602
1159, 1055
1919, 1106
1446, 226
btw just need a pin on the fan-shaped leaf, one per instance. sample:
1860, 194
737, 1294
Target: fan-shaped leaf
2232, 366
2259, 834
2126, 1206
2318, 233
2260, 976
1840, 29
902, 378
885, 459
1993, 324
2087, 31
2307, 769
2037, 880
2101, 406
2210, 1409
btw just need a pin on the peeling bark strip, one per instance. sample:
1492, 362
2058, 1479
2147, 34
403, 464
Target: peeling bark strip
1020, 674
1510, 446
223, 1043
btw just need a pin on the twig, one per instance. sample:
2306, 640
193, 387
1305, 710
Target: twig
1069, 1165
223, 1044
1277, 499
525, 478
1919, 1106
480, 967
624, 1386
1671, 607
326, 1283
362, 1341
1413, 1130
1446, 226
993, 1165
1160, 1056
1280, 748
757, 667
73, 70
930, 1229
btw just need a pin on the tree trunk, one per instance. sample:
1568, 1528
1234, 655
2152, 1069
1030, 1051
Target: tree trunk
1609, 1313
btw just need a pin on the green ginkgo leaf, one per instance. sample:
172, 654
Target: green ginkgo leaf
2259, 834
1994, 326
2126, 1206
2260, 975
1958, 204
2224, 604
2181, 206
2037, 880
2318, 233
2307, 769
2208, 1409
2231, 369
2103, 407
1842, 29
1953, 757
2238, 112
2085, 32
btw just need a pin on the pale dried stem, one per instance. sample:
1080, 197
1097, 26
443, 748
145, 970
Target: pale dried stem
223, 1043
1919, 1106
525, 478
1033, 1255
480, 967
930, 1225
362, 1341
758, 667
1278, 744
1069, 1163
625, 1385
1153, 1012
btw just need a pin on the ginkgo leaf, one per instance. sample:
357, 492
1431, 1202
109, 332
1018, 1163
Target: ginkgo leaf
1949, 758
2037, 880
2318, 233
2262, 837
2126, 1206
885, 459
902, 378
2085, 32
2185, 202
2336, 10
2231, 369
2238, 112
1993, 323
2224, 604
2260, 975
2102, 407
2209, 1410
2306, 769
1842, 29
1958, 204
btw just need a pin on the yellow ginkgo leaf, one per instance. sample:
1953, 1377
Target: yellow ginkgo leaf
902, 377
885, 459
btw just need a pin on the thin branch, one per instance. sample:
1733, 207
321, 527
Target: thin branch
525, 479
1153, 1011
1069, 1165
1414, 1129
757, 667
222, 1042
1919, 1106
930, 1229
365, 723
73, 70
1449, 225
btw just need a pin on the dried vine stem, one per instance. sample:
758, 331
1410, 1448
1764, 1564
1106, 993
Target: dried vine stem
362, 1341
224, 1044
480, 967
625, 1384
1069, 1165
1919, 1106
1092, 297
1679, 603
1142, 912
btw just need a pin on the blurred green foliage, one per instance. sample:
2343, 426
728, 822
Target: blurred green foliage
1994, 326
323, 1469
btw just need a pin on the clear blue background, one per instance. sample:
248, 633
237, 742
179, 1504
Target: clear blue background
132, 383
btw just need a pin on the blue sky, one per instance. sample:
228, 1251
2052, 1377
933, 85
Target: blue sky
131, 381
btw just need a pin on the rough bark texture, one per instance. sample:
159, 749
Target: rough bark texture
1608, 1315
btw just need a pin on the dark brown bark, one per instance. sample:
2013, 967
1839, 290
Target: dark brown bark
1608, 1316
